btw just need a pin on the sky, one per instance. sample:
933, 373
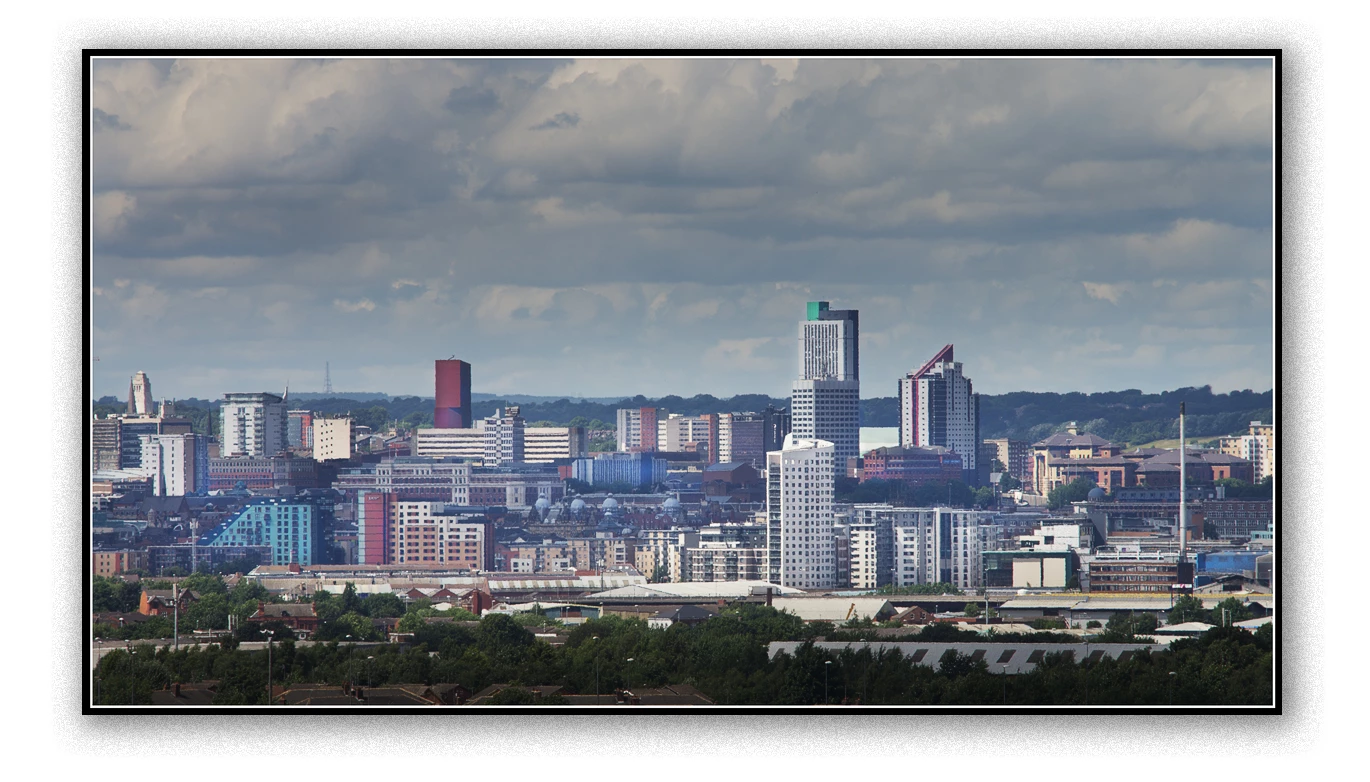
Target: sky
606, 227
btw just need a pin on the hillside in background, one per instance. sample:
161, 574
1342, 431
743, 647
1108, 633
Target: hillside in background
1129, 417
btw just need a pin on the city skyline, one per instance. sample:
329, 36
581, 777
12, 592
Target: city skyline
600, 227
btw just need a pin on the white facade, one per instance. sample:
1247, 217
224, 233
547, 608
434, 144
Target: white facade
828, 350
828, 410
253, 425
504, 437
545, 444
666, 545
1257, 447
332, 438
943, 545
459, 443
169, 460
799, 495
676, 430
629, 428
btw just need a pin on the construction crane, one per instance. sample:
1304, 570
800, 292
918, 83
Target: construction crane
850, 611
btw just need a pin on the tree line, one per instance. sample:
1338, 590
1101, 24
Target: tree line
725, 657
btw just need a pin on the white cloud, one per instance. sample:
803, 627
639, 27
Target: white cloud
363, 305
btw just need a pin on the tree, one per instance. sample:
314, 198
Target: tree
1235, 610
1187, 608
1075, 491
984, 497
382, 604
972, 609
1008, 482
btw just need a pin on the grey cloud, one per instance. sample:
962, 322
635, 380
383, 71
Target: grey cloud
952, 201
562, 119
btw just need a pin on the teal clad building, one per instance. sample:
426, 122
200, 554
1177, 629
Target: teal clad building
290, 527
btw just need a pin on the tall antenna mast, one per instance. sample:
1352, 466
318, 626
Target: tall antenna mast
327, 380
1182, 569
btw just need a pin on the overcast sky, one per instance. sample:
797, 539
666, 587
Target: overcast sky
613, 227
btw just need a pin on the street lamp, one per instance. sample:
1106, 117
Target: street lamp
130, 673
596, 638
630, 675
826, 664
1005, 667
268, 634
370, 672
1086, 667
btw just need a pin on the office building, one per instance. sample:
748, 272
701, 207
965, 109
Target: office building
742, 438
140, 396
913, 466
411, 477
253, 425
504, 438
541, 444
1064, 446
677, 433
332, 438
633, 469
452, 394
290, 528
799, 495
106, 452
825, 402
937, 407
392, 530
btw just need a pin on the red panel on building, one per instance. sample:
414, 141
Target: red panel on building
373, 527
452, 392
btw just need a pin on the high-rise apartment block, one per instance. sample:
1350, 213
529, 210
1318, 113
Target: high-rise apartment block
452, 394
253, 425
1257, 447
938, 407
290, 528
825, 402
637, 428
332, 438
300, 429
504, 437
1016, 456
392, 530
799, 496
170, 460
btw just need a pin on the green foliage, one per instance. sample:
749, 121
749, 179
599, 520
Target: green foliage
1009, 483
1187, 608
1235, 609
1075, 491
972, 609
1126, 627
938, 588
985, 497
204, 583
1093, 623
724, 657
382, 604
1241, 490
1047, 623
115, 594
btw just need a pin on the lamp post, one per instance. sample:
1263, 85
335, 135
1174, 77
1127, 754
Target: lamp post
130, 673
370, 672
630, 674
1172, 688
826, 664
1086, 667
596, 638
1005, 667
268, 634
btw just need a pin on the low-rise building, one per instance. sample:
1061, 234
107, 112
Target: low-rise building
109, 563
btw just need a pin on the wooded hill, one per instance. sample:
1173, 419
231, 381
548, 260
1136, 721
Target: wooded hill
1130, 417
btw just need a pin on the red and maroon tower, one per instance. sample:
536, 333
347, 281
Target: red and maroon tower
452, 406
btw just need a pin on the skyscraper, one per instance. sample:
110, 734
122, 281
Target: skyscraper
140, 395
825, 402
938, 407
452, 394
799, 528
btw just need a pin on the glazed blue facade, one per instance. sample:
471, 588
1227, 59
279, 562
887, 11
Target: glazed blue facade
289, 528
